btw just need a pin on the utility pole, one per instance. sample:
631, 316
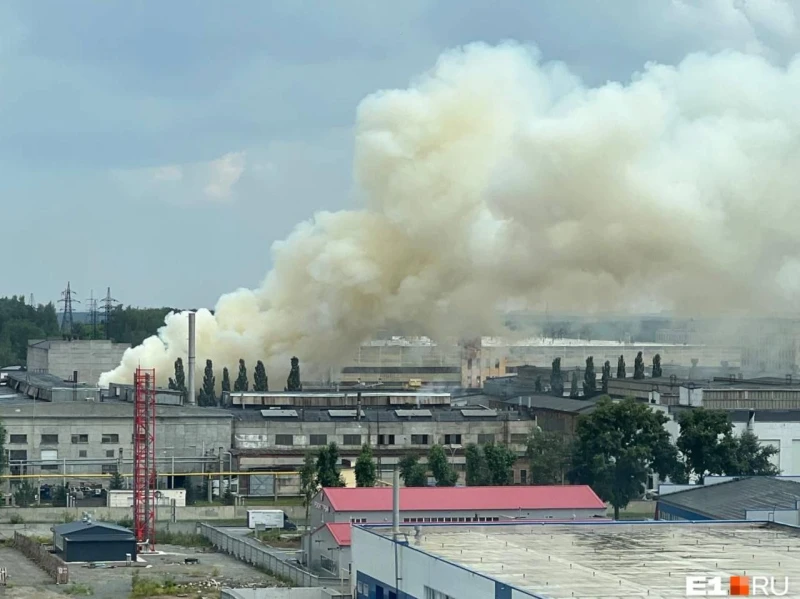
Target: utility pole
67, 324
109, 303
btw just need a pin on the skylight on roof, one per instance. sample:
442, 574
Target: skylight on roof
279, 413
413, 413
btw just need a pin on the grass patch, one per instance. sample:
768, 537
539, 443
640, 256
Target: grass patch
183, 539
16, 519
271, 501
77, 588
150, 587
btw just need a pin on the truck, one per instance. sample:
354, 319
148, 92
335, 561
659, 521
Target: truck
269, 519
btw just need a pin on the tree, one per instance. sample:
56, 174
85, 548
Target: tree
656, 366
365, 468
549, 457
116, 483
228, 498
308, 481
709, 446
750, 458
477, 473
328, 474
260, 382
241, 384
293, 382
226, 381
24, 494
556, 380
617, 446
179, 382
538, 385
573, 386
500, 460
621, 374
606, 376
589, 378
60, 496
208, 394
412, 472
638, 366
442, 471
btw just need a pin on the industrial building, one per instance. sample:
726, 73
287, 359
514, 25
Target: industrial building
48, 387
89, 541
776, 499
61, 358
610, 559
456, 504
83, 437
278, 439
328, 548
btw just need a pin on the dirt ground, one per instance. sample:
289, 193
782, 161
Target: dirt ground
214, 570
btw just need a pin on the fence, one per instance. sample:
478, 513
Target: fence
52, 564
251, 552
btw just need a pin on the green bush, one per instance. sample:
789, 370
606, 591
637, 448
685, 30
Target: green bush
16, 519
77, 588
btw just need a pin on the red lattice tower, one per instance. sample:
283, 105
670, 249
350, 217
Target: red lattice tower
144, 462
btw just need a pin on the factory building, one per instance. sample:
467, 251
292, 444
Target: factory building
279, 438
89, 541
776, 499
567, 560
48, 387
85, 437
456, 504
61, 357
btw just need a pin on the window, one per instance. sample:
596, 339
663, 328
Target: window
352, 440
49, 440
483, 439
18, 439
82, 453
385, 439
80, 439
454, 439
109, 453
284, 439
523, 477
108, 468
519, 438
18, 455
318, 440
110, 438
49, 467
497, 363
419, 439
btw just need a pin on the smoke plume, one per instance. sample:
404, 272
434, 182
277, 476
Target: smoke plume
497, 177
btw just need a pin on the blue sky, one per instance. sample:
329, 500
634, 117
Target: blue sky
159, 148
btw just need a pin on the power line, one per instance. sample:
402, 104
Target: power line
67, 322
109, 303
92, 305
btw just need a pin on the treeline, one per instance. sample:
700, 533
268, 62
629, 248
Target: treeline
207, 395
19, 322
589, 383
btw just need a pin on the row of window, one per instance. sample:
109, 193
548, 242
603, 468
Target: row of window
434, 594
104, 468
17, 455
356, 440
52, 439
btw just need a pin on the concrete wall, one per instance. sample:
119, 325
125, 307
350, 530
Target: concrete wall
89, 358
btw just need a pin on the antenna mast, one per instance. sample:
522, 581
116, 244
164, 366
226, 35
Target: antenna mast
67, 323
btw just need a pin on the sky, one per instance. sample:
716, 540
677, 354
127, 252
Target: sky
160, 148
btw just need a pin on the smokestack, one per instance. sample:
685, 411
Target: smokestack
396, 502
751, 421
190, 383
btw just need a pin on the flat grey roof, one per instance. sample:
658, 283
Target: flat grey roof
45, 381
24, 408
620, 560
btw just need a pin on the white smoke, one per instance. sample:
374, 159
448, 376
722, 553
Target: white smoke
496, 177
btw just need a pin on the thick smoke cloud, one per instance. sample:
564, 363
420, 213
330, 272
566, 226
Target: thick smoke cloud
496, 177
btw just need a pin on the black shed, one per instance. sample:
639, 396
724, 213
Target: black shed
93, 542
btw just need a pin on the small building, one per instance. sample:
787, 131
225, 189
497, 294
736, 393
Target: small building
328, 548
754, 498
88, 541
456, 504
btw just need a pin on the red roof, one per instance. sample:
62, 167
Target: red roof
418, 499
340, 532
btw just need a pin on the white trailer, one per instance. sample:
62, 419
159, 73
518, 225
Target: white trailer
265, 518
161, 498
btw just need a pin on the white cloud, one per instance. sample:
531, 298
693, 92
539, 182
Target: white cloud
167, 173
224, 173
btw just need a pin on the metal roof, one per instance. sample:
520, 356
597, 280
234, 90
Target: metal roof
413, 413
731, 500
279, 413
478, 413
344, 413
71, 528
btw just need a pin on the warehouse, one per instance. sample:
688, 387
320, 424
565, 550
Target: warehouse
753, 498
88, 541
612, 559
328, 548
456, 504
